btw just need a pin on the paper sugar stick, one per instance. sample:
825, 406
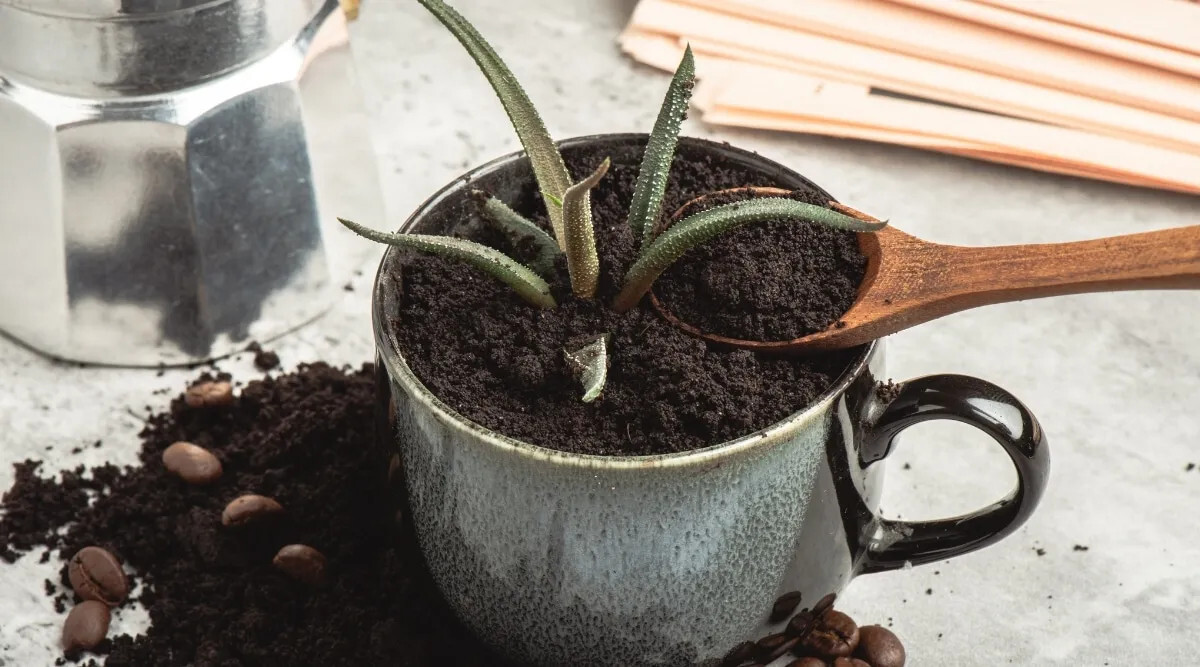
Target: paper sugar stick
1174, 25
653, 49
1062, 33
776, 122
931, 37
715, 70
664, 51
1004, 134
771, 121
745, 39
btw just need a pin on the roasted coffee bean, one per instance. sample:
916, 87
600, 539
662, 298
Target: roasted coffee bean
96, 574
773, 646
801, 624
880, 647
824, 604
808, 662
850, 662
193, 464
209, 395
784, 606
86, 626
834, 636
248, 509
740, 653
804, 620
302, 563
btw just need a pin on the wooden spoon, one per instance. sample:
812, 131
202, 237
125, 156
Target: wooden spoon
910, 281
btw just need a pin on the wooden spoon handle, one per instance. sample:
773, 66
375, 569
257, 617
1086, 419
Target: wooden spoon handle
1167, 259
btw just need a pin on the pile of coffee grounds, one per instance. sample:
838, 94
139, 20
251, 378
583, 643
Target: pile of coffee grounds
499, 361
306, 439
778, 280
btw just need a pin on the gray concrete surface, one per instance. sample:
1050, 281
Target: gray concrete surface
1114, 378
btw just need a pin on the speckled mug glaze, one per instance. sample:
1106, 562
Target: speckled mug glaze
558, 558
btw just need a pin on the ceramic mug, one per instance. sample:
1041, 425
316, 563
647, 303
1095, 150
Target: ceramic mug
557, 558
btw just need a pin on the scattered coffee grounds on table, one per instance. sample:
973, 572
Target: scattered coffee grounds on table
264, 360
499, 361
214, 597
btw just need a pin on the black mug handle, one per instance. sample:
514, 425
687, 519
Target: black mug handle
893, 544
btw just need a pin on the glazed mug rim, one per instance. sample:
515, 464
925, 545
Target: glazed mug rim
399, 370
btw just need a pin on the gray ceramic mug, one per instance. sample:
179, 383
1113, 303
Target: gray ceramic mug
558, 558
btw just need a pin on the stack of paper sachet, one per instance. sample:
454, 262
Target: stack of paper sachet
1106, 89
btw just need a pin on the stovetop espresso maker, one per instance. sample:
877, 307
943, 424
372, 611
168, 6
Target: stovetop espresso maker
171, 172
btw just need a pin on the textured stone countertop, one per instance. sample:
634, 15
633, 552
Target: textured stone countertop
1114, 378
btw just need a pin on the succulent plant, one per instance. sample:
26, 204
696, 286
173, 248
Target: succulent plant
569, 207
517, 227
524, 282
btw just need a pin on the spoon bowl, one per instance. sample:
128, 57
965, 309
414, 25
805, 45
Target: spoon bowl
910, 281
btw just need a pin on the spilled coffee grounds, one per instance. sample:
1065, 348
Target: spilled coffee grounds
305, 439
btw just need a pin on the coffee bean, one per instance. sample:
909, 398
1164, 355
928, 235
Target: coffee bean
880, 647
784, 606
773, 646
824, 604
248, 509
193, 464
808, 662
850, 662
209, 395
801, 624
96, 574
804, 620
740, 653
86, 626
302, 563
834, 636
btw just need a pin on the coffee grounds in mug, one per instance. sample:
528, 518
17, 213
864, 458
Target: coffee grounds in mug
305, 441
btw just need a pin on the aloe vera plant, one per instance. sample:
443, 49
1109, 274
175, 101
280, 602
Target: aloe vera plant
568, 206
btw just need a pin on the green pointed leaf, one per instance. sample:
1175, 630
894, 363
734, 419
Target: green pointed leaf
548, 167
525, 282
646, 206
590, 364
582, 260
701, 227
517, 227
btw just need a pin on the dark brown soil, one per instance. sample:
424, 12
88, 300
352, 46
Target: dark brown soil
775, 281
305, 439
499, 361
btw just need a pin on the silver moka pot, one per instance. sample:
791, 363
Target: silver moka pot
170, 173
